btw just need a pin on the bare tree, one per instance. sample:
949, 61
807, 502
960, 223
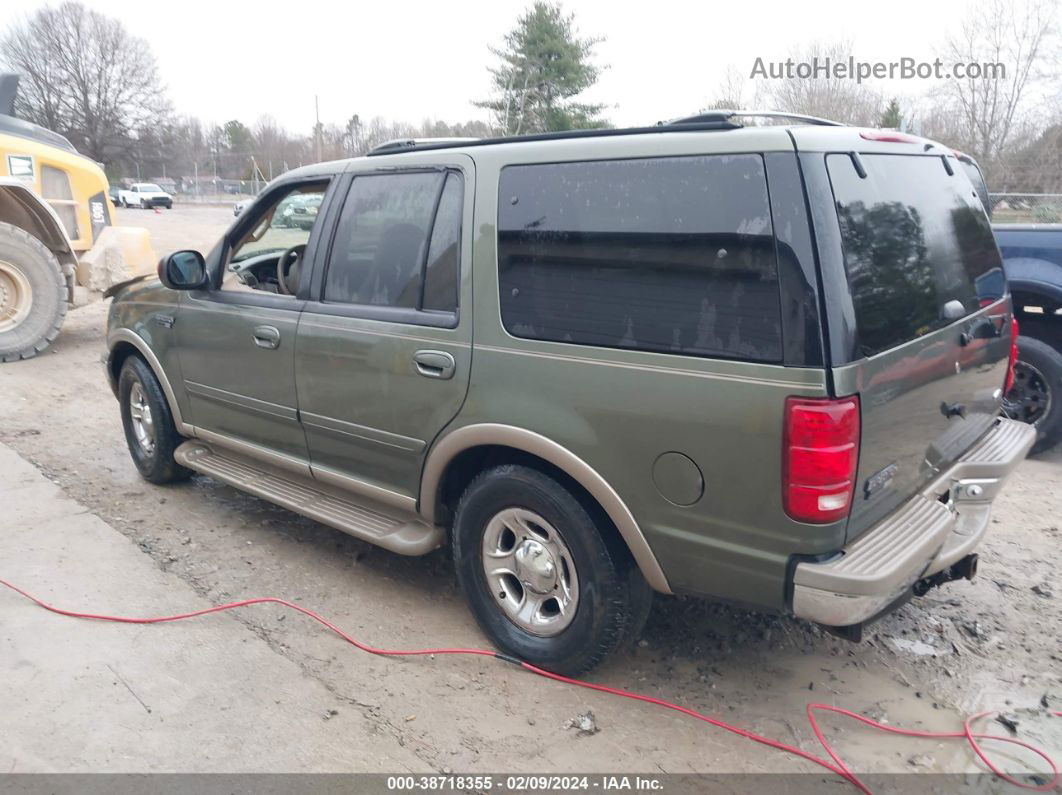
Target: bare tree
732, 91
1020, 35
85, 76
829, 97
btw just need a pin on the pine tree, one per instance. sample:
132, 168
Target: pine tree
544, 66
891, 118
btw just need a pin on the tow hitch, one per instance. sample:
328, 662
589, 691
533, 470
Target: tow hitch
964, 569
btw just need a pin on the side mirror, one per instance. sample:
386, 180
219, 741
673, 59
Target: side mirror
183, 270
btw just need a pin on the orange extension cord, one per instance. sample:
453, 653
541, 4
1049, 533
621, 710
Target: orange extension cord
837, 766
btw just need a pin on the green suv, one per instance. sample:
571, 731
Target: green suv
755, 363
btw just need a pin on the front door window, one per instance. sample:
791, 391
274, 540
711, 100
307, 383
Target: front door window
269, 256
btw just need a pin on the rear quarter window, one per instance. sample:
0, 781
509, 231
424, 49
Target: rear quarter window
672, 255
915, 239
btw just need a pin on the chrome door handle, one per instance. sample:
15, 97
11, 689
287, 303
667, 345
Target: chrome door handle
435, 364
266, 337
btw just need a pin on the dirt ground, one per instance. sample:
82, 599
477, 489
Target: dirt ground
989, 644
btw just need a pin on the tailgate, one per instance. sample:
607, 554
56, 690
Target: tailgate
932, 322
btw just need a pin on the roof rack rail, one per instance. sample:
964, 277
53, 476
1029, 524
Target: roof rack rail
728, 115
416, 145
412, 143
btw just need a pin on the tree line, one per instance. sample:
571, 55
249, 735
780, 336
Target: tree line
85, 76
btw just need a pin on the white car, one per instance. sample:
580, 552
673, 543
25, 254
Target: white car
145, 195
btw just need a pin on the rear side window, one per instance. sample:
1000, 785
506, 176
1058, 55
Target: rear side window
394, 229
918, 247
444, 251
673, 255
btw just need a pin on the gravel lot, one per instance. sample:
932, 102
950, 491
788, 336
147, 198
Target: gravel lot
989, 644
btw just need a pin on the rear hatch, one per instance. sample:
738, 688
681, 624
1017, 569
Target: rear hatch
931, 323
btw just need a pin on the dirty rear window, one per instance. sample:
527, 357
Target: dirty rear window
673, 255
916, 240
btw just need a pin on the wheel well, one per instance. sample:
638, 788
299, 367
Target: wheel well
469, 463
26, 211
119, 353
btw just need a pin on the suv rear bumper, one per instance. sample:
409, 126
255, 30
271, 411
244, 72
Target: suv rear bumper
925, 536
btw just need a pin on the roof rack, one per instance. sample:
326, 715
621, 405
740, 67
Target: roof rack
413, 143
418, 145
727, 115
709, 120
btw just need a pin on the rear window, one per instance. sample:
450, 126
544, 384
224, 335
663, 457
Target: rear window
673, 255
918, 247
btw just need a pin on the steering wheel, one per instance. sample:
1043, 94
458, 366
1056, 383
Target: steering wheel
285, 267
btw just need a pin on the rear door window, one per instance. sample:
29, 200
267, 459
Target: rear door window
674, 255
918, 247
394, 229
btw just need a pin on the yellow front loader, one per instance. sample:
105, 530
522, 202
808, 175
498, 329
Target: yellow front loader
58, 245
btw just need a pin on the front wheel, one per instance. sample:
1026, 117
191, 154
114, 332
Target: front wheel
545, 577
150, 432
1036, 397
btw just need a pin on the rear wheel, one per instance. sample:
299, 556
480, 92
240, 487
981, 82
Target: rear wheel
1036, 397
150, 432
544, 576
32, 295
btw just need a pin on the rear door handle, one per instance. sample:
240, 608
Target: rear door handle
435, 364
267, 337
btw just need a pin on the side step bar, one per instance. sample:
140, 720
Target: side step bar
394, 530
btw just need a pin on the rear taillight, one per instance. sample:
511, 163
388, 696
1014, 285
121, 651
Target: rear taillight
821, 450
1013, 354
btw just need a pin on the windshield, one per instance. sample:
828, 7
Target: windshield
150, 188
918, 247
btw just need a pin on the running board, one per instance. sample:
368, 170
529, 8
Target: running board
390, 528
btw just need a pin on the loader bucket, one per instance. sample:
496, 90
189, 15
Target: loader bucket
119, 254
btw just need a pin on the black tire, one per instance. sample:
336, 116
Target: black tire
169, 205
144, 205
1037, 393
157, 464
29, 272
613, 597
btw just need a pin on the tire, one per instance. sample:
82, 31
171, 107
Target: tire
169, 205
610, 597
144, 205
1037, 393
137, 383
32, 295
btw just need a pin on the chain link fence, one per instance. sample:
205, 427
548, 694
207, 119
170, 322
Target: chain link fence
1026, 208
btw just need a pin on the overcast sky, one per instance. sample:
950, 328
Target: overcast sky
408, 60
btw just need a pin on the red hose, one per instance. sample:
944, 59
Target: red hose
837, 767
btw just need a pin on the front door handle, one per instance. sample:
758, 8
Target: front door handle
266, 337
435, 364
